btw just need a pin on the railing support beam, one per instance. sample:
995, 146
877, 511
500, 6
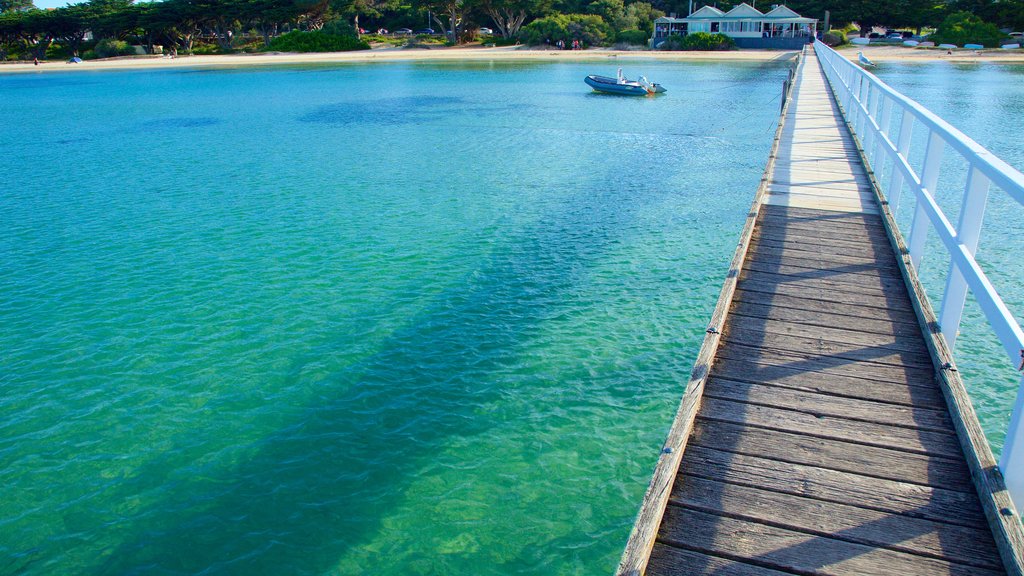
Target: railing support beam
972, 213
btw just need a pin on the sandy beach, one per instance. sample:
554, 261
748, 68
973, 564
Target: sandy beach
470, 53
907, 54
392, 54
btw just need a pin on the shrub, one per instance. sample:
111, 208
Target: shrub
590, 29
339, 27
205, 49
834, 38
707, 42
634, 36
298, 41
108, 48
965, 28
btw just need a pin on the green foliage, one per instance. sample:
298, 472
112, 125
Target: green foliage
298, 41
13, 5
635, 37
108, 48
965, 28
208, 48
590, 29
708, 42
339, 27
834, 38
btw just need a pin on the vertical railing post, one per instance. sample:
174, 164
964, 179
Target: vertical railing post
877, 159
865, 120
1011, 463
968, 232
903, 148
929, 179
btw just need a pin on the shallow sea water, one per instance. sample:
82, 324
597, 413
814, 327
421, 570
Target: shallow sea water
402, 319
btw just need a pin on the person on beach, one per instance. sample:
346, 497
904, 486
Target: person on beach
35, 61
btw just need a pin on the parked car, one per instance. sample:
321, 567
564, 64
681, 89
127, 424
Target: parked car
425, 31
403, 31
486, 31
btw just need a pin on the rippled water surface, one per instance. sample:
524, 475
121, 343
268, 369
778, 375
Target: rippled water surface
986, 102
391, 319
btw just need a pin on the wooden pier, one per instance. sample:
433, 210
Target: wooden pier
818, 433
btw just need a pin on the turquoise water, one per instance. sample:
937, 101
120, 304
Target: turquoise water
400, 319
986, 102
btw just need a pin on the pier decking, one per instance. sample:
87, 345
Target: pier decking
821, 441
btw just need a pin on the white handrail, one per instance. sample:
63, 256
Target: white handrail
868, 105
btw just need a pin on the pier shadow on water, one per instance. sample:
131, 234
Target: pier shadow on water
322, 485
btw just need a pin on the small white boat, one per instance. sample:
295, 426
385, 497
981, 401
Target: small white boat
910, 43
974, 46
864, 60
620, 85
947, 46
860, 41
1010, 46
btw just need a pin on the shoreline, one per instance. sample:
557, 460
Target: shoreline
907, 54
478, 53
455, 54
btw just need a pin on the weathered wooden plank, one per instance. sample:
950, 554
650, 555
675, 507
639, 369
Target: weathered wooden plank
808, 361
825, 238
797, 552
867, 433
904, 316
819, 404
795, 248
912, 500
879, 286
891, 392
850, 278
814, 233
863, 353
844, 333
803, 292
834, 454
770, 253
820, 216
823, 243
811, 318
960, 544
667, 560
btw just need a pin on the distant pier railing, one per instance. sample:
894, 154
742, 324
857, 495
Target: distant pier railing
871, 107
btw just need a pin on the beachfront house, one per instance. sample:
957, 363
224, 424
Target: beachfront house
749, 27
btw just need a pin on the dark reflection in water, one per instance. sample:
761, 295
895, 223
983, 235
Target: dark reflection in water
184, 122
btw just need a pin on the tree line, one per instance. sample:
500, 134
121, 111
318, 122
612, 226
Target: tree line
178, 23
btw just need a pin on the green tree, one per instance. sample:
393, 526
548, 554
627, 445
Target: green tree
590, 29
965, 28
15, 5
508, 15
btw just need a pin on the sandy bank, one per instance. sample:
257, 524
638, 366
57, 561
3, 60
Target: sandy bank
907, 54
392, 54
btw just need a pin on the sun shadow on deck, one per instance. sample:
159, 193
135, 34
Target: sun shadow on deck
823, 444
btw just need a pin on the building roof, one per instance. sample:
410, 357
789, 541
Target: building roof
707, 12
743, 11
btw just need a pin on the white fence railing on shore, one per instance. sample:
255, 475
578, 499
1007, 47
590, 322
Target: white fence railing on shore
870, 107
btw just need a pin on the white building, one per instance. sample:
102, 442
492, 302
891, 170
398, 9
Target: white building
749, 27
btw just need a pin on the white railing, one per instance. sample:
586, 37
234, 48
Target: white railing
869, 105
